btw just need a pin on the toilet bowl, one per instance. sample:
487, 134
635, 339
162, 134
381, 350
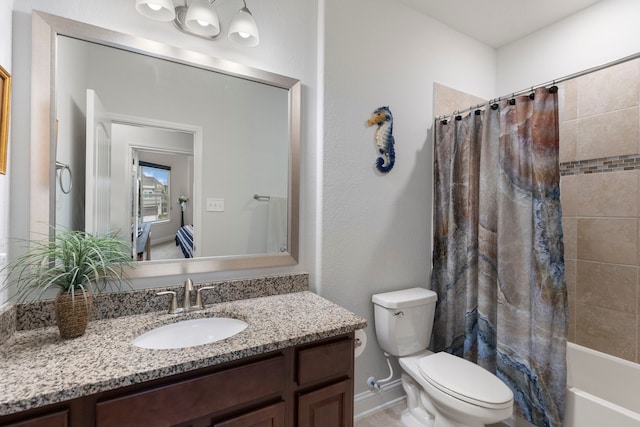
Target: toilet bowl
442, 390
457, 392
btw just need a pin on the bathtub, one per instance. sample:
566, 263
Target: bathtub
603, 390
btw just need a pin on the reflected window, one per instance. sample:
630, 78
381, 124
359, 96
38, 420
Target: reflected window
155, 192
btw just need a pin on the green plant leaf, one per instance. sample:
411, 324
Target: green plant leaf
71, 261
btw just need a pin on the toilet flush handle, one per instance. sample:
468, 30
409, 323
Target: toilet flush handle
399, 314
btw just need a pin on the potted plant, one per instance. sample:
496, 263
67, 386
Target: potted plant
76, 263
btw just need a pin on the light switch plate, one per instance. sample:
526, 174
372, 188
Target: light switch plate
215, 205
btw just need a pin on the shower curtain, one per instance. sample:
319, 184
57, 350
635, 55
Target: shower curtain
498, 263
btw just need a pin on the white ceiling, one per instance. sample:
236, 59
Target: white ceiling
498, 22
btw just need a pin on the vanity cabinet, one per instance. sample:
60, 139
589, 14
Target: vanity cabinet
307, 385
324, 380
197, 398
328, 406
55, 419
271, 416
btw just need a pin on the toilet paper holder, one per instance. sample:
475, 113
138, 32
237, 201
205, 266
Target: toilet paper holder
359, 342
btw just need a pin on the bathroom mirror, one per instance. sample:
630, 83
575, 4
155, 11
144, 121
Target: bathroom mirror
227, 134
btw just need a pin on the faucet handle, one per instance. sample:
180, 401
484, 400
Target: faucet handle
174, 300
199, 302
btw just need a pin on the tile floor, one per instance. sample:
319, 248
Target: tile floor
390, 417
166, 250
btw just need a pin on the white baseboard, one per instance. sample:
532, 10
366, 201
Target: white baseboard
369, 402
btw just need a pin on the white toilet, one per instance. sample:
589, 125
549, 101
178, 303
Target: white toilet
442, 390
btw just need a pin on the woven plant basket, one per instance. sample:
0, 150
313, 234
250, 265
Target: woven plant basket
72, 318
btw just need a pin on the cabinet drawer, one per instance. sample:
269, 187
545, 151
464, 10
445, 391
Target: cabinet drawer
57, 419
190, 399
272, 416
324, 361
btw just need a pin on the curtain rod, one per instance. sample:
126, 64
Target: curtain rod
551, 82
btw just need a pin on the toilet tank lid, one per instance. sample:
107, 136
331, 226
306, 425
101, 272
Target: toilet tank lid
405, 298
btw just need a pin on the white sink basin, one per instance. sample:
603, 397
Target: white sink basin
189, 333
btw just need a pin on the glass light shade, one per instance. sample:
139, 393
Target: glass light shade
160, 10
243, 29
202, 19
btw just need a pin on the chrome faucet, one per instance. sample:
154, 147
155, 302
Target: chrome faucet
186, 301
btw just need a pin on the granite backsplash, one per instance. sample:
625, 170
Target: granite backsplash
26, 316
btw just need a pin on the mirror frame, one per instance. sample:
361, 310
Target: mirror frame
45, 29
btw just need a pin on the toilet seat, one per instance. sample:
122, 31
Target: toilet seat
465, 381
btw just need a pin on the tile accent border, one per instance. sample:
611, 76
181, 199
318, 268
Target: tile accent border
605, 164
41, 314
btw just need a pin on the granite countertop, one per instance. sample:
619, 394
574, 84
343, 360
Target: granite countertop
39, 368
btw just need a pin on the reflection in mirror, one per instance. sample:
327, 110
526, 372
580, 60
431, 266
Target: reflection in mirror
157, 171
244, 152
184, 155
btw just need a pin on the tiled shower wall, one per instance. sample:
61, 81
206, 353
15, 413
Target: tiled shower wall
600, 190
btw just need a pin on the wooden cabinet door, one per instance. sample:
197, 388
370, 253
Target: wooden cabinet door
57, 419
324, 362
271, 416
328, 406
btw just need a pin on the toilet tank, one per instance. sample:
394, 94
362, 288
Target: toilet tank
404, 320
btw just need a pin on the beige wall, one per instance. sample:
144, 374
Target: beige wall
447, 100
600, 191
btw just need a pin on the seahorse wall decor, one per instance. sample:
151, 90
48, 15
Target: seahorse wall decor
384, 138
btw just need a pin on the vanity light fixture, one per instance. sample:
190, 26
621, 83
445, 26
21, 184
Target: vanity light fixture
199, 18
161, 10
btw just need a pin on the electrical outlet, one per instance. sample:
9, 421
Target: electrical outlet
215, 205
